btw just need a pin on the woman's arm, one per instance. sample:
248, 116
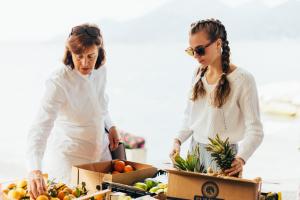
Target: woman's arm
113, 134
249, 105
107, 118
53, 99
185, 132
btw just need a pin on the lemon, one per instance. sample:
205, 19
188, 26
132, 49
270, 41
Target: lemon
67, 190
99, 196
42, 197
22, 183
5, 191
21, 191
14, 194
11, 186
69, 197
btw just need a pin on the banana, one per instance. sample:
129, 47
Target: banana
162, 185
141, 186
22, 184
159, 191
154, 189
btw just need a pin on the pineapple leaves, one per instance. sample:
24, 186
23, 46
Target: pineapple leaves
221, 152
191, 163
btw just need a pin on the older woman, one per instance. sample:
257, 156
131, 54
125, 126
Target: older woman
69, 129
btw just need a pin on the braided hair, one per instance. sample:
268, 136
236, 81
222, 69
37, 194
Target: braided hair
215, 30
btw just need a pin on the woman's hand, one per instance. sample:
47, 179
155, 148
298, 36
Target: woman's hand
37, 185
176, 148
114, 138
236, 166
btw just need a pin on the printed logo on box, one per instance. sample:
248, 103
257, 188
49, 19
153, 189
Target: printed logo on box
210, 191
205, 198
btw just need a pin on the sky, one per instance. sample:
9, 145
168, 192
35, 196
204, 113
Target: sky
269, 3
39, 20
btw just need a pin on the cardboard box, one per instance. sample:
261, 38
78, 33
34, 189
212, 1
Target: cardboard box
95, 173
190, 185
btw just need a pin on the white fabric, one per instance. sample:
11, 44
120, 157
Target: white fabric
238, 118
69, 128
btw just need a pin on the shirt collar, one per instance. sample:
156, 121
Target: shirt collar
87, 77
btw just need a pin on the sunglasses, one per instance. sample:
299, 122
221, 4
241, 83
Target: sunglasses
200, 50
91, 31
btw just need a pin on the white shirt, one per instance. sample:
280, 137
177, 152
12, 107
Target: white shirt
238, 118
73, 112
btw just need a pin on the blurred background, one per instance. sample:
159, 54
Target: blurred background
149, 73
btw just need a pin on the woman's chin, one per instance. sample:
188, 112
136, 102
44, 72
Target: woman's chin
85, 71
203, 64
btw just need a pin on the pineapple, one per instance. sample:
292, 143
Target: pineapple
192, 163
221, 152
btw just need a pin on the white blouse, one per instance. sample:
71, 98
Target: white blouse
73, 113
238, 118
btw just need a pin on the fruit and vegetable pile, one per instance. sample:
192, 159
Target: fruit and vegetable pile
221, 152
120, 166
55, 191
152, 186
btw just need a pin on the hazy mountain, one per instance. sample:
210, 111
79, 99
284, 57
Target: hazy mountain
170, 22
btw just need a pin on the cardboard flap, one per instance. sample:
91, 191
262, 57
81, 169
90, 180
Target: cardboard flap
104, 167
138, 165
196, 174
132, 177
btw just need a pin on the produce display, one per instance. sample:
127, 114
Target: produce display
221, 152
120, 166
55, 191
192, 162
152, 186
270, 196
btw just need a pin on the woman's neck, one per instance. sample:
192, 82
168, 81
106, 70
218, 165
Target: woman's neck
215, 69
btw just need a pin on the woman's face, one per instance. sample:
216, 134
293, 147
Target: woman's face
211, 49
85, 62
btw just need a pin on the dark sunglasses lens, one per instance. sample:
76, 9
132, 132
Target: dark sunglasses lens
200, 50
